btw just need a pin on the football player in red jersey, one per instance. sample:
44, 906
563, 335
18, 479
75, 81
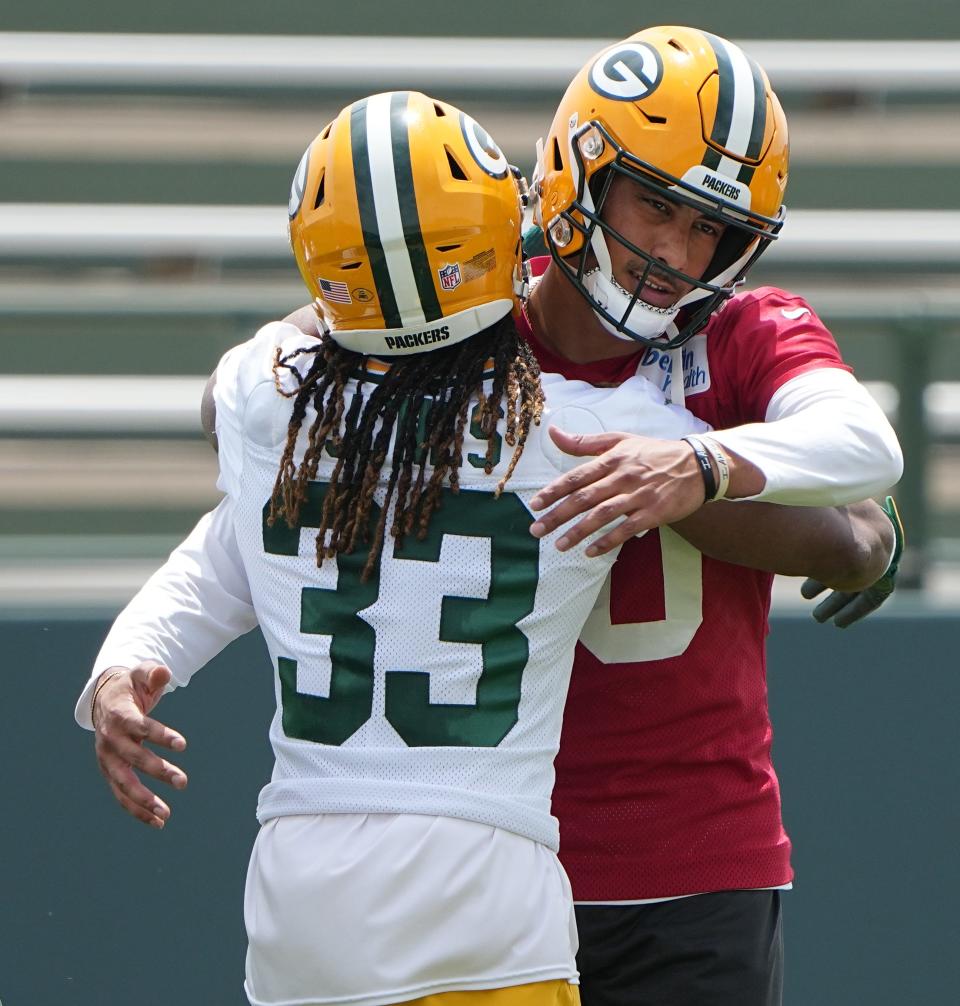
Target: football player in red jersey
659, 185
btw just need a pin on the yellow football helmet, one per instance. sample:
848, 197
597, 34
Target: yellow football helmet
688, 114
405, 221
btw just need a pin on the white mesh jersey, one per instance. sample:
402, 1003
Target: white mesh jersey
437, 686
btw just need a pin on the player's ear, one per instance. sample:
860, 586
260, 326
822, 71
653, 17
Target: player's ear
208, 411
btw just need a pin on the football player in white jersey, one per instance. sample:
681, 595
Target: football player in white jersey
377, 479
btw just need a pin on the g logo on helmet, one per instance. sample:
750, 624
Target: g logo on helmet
627, 72
299, 185
483, 148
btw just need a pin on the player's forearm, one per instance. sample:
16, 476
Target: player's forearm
844, 547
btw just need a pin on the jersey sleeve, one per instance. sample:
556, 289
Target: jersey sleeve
240, 370
186, 613
229, 419
766, 340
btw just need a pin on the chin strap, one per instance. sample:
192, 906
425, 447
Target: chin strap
675, 388
644, 321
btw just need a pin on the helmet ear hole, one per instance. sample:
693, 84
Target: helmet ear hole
597, 185
732, 244
318, 202
455, 168
557, 158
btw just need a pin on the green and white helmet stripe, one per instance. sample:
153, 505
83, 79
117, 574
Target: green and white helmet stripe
741, 117
388, 211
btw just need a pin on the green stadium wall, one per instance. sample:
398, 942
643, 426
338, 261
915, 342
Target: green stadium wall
100, 911
740, 19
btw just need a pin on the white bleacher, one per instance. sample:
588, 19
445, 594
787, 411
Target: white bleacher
77, 231
99, 405
132, 404
479, 64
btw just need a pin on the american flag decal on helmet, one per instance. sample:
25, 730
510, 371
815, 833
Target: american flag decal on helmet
335, 291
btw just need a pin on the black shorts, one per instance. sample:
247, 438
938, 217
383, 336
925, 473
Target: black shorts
723, 949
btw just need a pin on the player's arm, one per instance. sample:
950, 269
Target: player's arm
189, 610
847, 548
196, 603
825, 443
844, 607
186, 613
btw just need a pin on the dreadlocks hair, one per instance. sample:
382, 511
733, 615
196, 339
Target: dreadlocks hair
422, 405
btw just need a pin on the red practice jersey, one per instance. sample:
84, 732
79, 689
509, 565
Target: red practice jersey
664, 781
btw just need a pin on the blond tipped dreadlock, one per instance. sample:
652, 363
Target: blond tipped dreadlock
421, 405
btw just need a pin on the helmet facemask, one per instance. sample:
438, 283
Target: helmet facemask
623, 312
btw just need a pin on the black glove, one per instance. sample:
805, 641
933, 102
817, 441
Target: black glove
847, 607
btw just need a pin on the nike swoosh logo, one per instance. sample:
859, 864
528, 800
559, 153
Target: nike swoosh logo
797, 312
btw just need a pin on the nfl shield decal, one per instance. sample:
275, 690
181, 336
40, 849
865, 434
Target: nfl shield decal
449, 277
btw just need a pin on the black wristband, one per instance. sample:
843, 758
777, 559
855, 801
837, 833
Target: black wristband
706, 468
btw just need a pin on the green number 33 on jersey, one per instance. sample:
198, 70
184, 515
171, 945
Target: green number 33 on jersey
489, 622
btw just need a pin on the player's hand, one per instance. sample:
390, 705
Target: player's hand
648, 482
122, 700
847, 607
